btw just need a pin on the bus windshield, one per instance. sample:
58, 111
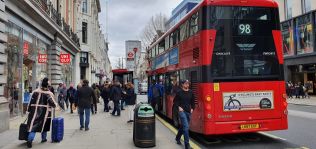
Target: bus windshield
244, 45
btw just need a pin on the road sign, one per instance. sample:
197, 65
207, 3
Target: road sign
130, 56
64, 58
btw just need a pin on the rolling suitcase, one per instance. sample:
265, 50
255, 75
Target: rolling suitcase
57, 128
23, 131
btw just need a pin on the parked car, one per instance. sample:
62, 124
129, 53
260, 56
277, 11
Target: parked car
142, 88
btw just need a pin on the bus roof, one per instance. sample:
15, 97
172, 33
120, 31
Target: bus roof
254, 3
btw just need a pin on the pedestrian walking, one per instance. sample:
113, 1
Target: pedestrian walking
85, 97
184, 101
39, 108
94, 106
154, 94
130, 101
105, 94
71, 93
63, 91
116, 96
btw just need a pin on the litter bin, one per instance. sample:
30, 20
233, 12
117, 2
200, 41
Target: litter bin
144, 131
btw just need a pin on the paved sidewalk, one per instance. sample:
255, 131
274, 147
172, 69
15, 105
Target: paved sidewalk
106, 131
305, 101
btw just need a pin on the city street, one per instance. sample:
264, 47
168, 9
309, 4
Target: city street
301, 132
114, 132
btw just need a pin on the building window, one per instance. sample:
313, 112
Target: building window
84, 57
288, 8
85, 6
304, 33
306, 6
84, 32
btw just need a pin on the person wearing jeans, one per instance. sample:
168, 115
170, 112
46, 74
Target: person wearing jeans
40, 111
84, 121
185, 102
85, 97
32, 136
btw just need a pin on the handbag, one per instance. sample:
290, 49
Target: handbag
23, 131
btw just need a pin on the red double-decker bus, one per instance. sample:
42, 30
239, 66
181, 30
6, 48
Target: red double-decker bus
231, 52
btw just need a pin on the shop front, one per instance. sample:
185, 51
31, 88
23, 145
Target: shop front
299, 50
24, 71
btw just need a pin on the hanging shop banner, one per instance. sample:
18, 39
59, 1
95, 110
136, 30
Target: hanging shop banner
26, 49
241, 101
64, 58
42, 58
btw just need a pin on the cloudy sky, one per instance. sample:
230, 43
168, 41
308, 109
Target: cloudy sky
126, 20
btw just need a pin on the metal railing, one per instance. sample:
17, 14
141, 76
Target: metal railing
47, 7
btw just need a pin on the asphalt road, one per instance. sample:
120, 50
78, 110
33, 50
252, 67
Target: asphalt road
300, 135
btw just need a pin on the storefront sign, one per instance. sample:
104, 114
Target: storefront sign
64, 58
26, 49
42, 58
241, 101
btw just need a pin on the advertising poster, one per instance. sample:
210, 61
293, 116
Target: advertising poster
174, 56
162, 61
241, 101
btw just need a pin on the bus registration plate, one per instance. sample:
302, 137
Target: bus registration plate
249, 126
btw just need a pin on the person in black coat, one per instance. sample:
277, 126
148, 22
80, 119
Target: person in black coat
116, 96
105, 94
130, 101
85, 97
71, 93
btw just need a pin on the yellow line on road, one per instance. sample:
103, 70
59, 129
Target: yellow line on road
174, 130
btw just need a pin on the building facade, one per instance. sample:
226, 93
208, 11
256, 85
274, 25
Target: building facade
40, 42
92, 41
298, 20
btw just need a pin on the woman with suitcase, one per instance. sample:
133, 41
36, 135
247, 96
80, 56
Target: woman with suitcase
40, 108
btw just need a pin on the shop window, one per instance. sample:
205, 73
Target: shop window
288, 40
288, 9
304, 32
306, 6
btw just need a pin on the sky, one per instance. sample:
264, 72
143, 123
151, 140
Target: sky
127, 18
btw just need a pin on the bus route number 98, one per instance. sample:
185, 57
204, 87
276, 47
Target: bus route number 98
244, 29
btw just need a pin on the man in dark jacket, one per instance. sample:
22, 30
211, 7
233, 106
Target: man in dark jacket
85, 97
184, 101
116, 96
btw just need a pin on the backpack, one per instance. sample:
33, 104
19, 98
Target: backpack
156, 93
